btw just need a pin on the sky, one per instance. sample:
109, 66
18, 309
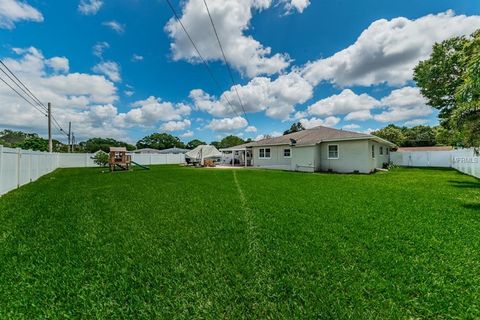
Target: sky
126, 68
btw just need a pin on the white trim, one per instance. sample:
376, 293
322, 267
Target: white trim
328, 152
290, 156
264, 152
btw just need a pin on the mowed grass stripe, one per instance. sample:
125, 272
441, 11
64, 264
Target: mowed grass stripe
177, 243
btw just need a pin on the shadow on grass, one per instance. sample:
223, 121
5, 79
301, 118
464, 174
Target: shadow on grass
473, 206
465, 184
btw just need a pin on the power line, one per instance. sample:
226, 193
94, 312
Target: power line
225, 59
30, 94
21, 96
200, 55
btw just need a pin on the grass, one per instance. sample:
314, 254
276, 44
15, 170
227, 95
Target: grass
183, 243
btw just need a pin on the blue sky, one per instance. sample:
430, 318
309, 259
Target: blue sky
345, 64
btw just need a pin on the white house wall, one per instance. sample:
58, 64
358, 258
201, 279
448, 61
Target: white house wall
276, 160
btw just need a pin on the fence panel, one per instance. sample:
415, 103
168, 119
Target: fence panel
463, 160
19, 167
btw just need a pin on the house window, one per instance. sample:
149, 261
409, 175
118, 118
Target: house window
264, 153
333, 151
373, 152
387, 150
287, 153
381, 151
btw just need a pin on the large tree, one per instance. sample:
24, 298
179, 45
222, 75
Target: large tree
104, 144
296, 127
194, 143
230, 141
391, 133
419, 136
450, 81
160, 141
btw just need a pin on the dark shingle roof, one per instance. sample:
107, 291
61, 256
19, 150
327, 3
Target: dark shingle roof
314, 136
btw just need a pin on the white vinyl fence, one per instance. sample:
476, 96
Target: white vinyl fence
19, 167
464, 160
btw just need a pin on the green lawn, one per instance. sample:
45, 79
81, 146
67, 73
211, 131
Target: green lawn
189, 243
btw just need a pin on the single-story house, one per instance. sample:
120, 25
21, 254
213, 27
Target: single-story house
174, 150
316, 149
146, 151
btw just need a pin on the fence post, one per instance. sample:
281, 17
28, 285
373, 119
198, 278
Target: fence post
19, 155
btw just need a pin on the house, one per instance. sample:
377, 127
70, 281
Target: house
316, 149
174, 150
146, 151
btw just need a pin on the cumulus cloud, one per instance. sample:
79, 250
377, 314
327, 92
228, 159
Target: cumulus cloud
115, 26
351, 126
360, 115
298, 5
227, 124
176, 125
187, 134
415, 122
269, 135
152, 110
136, 57
232, 20
403, 104
388, 50
315, 122
251, 129
59, 64
99, 48
90, 7
110, 69
12, 11
345, 102
277, 98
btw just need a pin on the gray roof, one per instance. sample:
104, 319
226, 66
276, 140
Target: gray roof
146, 150
314, 136
173, 150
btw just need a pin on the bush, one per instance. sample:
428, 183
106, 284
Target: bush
101, 159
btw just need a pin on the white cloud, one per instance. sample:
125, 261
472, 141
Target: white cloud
403, 104
360, 115
152, 110
110, 69
345, 102
99, 48
251, 129
227, 124
315, 122
90, 7
232, 20
351, 126
129, 93
415, 122
12, 11
388, 50
176, 125
136, 57
115, 26
270, 135
59, 64
277, 98
187, 134
298, 5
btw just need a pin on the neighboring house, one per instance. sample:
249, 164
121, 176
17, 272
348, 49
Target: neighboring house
316, 149
174, 150
146, 151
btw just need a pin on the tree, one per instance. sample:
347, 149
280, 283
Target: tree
419, 136
448, 137
160, 141
34, 143
194, 143
101, 158
230, 141
391, 133
296, 127
11, 139
450, 81
104, 144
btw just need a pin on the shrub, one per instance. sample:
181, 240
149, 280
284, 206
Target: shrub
101, 159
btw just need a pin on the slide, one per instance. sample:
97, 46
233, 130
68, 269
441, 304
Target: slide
141, 166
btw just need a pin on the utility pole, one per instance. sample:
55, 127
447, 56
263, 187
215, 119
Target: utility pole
73, 142
69, 137
50, 143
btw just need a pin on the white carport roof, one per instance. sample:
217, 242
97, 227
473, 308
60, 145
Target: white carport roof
204, 152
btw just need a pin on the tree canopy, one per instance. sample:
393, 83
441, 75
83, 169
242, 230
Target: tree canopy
194, 143
450, 81
229, 141
297, 126
160, 141
104, 144
419, 136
